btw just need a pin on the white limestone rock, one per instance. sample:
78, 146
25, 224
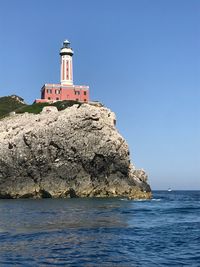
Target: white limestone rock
76, 152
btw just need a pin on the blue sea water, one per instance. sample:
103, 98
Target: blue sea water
164, 231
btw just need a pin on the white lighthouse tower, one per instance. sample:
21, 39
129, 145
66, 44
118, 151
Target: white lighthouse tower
66, 67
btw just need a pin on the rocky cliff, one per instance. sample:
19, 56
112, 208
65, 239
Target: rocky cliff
76, 152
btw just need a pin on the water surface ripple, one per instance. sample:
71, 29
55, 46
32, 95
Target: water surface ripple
164, 231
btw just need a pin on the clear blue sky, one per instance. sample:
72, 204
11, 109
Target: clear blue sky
139, 57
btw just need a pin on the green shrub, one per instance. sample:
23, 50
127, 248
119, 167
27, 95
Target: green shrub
14, 103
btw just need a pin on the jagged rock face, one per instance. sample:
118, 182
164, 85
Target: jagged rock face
76, 152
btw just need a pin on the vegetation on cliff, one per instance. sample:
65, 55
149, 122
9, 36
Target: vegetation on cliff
9, 104
16, 104
36, 108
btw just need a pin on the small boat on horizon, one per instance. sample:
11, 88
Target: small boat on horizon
169, 189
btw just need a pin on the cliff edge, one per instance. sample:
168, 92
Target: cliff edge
76, 152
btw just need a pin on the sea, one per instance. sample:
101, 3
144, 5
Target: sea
163, 231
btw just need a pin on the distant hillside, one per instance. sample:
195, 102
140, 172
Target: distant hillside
17, 104
10, 103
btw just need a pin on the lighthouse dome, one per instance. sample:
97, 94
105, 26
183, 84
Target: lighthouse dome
66, 49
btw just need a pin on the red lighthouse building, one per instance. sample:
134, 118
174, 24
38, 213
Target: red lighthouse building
66, 90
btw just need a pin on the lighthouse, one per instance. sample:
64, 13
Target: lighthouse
66, 67
65, 90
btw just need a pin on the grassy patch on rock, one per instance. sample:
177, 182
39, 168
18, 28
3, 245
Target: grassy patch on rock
16, 104
36, 108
